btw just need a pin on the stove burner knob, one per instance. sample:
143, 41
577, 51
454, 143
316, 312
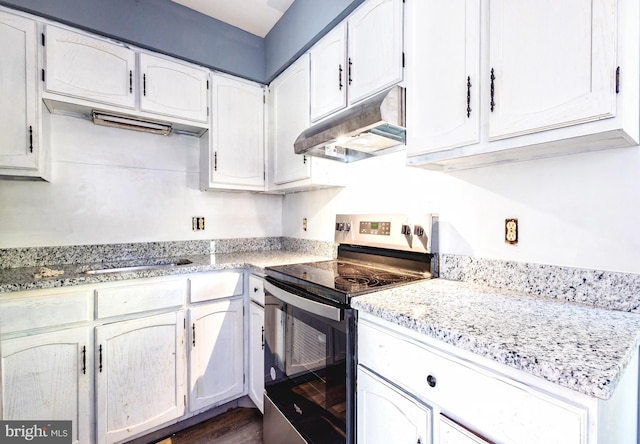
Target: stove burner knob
406, 230
347, 227
418, 230
339, 226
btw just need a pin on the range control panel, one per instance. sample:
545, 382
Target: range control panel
375, 228
395, 231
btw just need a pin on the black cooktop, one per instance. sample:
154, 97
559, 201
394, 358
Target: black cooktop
339, 279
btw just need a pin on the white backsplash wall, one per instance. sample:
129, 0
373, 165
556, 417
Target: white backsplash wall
578, 211
112, 185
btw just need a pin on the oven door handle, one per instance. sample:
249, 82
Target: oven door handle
317, 308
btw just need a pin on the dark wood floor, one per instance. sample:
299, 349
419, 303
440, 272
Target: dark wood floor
237, 426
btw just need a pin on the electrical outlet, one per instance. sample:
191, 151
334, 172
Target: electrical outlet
304, 223
197, 223
511, 231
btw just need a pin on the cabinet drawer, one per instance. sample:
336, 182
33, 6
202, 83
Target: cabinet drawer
129, 299
256, 289
501, 409
209, 286
44, 311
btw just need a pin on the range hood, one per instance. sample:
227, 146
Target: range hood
370, 128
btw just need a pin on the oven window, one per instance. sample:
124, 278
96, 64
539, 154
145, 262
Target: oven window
312, 388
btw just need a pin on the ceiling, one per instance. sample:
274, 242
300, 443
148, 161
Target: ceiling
254, 16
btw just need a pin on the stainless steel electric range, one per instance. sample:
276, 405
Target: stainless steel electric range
310, 327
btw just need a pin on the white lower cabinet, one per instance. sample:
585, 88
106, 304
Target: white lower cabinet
216, 353
256, 355
386, 415
48, 376
256, 341
140, 375
123, 356
474, 400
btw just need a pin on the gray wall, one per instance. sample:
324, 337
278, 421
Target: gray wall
170, 28
302, 25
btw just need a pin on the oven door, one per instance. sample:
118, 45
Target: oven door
309, 367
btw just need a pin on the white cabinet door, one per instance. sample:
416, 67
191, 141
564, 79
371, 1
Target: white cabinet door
80, 66
385, 415
217, 353
375, 48
47, 377
256, 355
289, 100
19, 129
173, 89
444, 75
329, 73
140, 375
553, 64
234, 157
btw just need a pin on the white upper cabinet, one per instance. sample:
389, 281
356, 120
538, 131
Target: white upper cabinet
375, 48
358, 58
82, 72
232, 156
289, 99
552, 64
20, 142
329, 73
288, 110
89, 68
499, 81
443, 78
173, 89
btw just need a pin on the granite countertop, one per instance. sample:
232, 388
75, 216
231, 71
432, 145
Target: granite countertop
573, 345
20, 279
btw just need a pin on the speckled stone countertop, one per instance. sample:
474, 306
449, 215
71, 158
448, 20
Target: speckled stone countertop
22, 278
573, 345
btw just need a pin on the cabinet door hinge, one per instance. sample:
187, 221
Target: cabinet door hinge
184, 323
403, 59
30, 139
207, 111
618, 80
207, 84
42, 38
185, 400
215, 161
42, 74
244, 379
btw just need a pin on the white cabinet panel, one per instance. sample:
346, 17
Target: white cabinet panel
290, 101
444, 78
329, 73
20, 145
48, 377
85, 67
558, 70
173, 89
217, 353
140, 375
385, 415
375, 48
140, 297
216, 285
233, 155
256, 355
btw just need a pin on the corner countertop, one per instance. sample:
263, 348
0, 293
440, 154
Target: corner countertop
573, 345
21, 279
